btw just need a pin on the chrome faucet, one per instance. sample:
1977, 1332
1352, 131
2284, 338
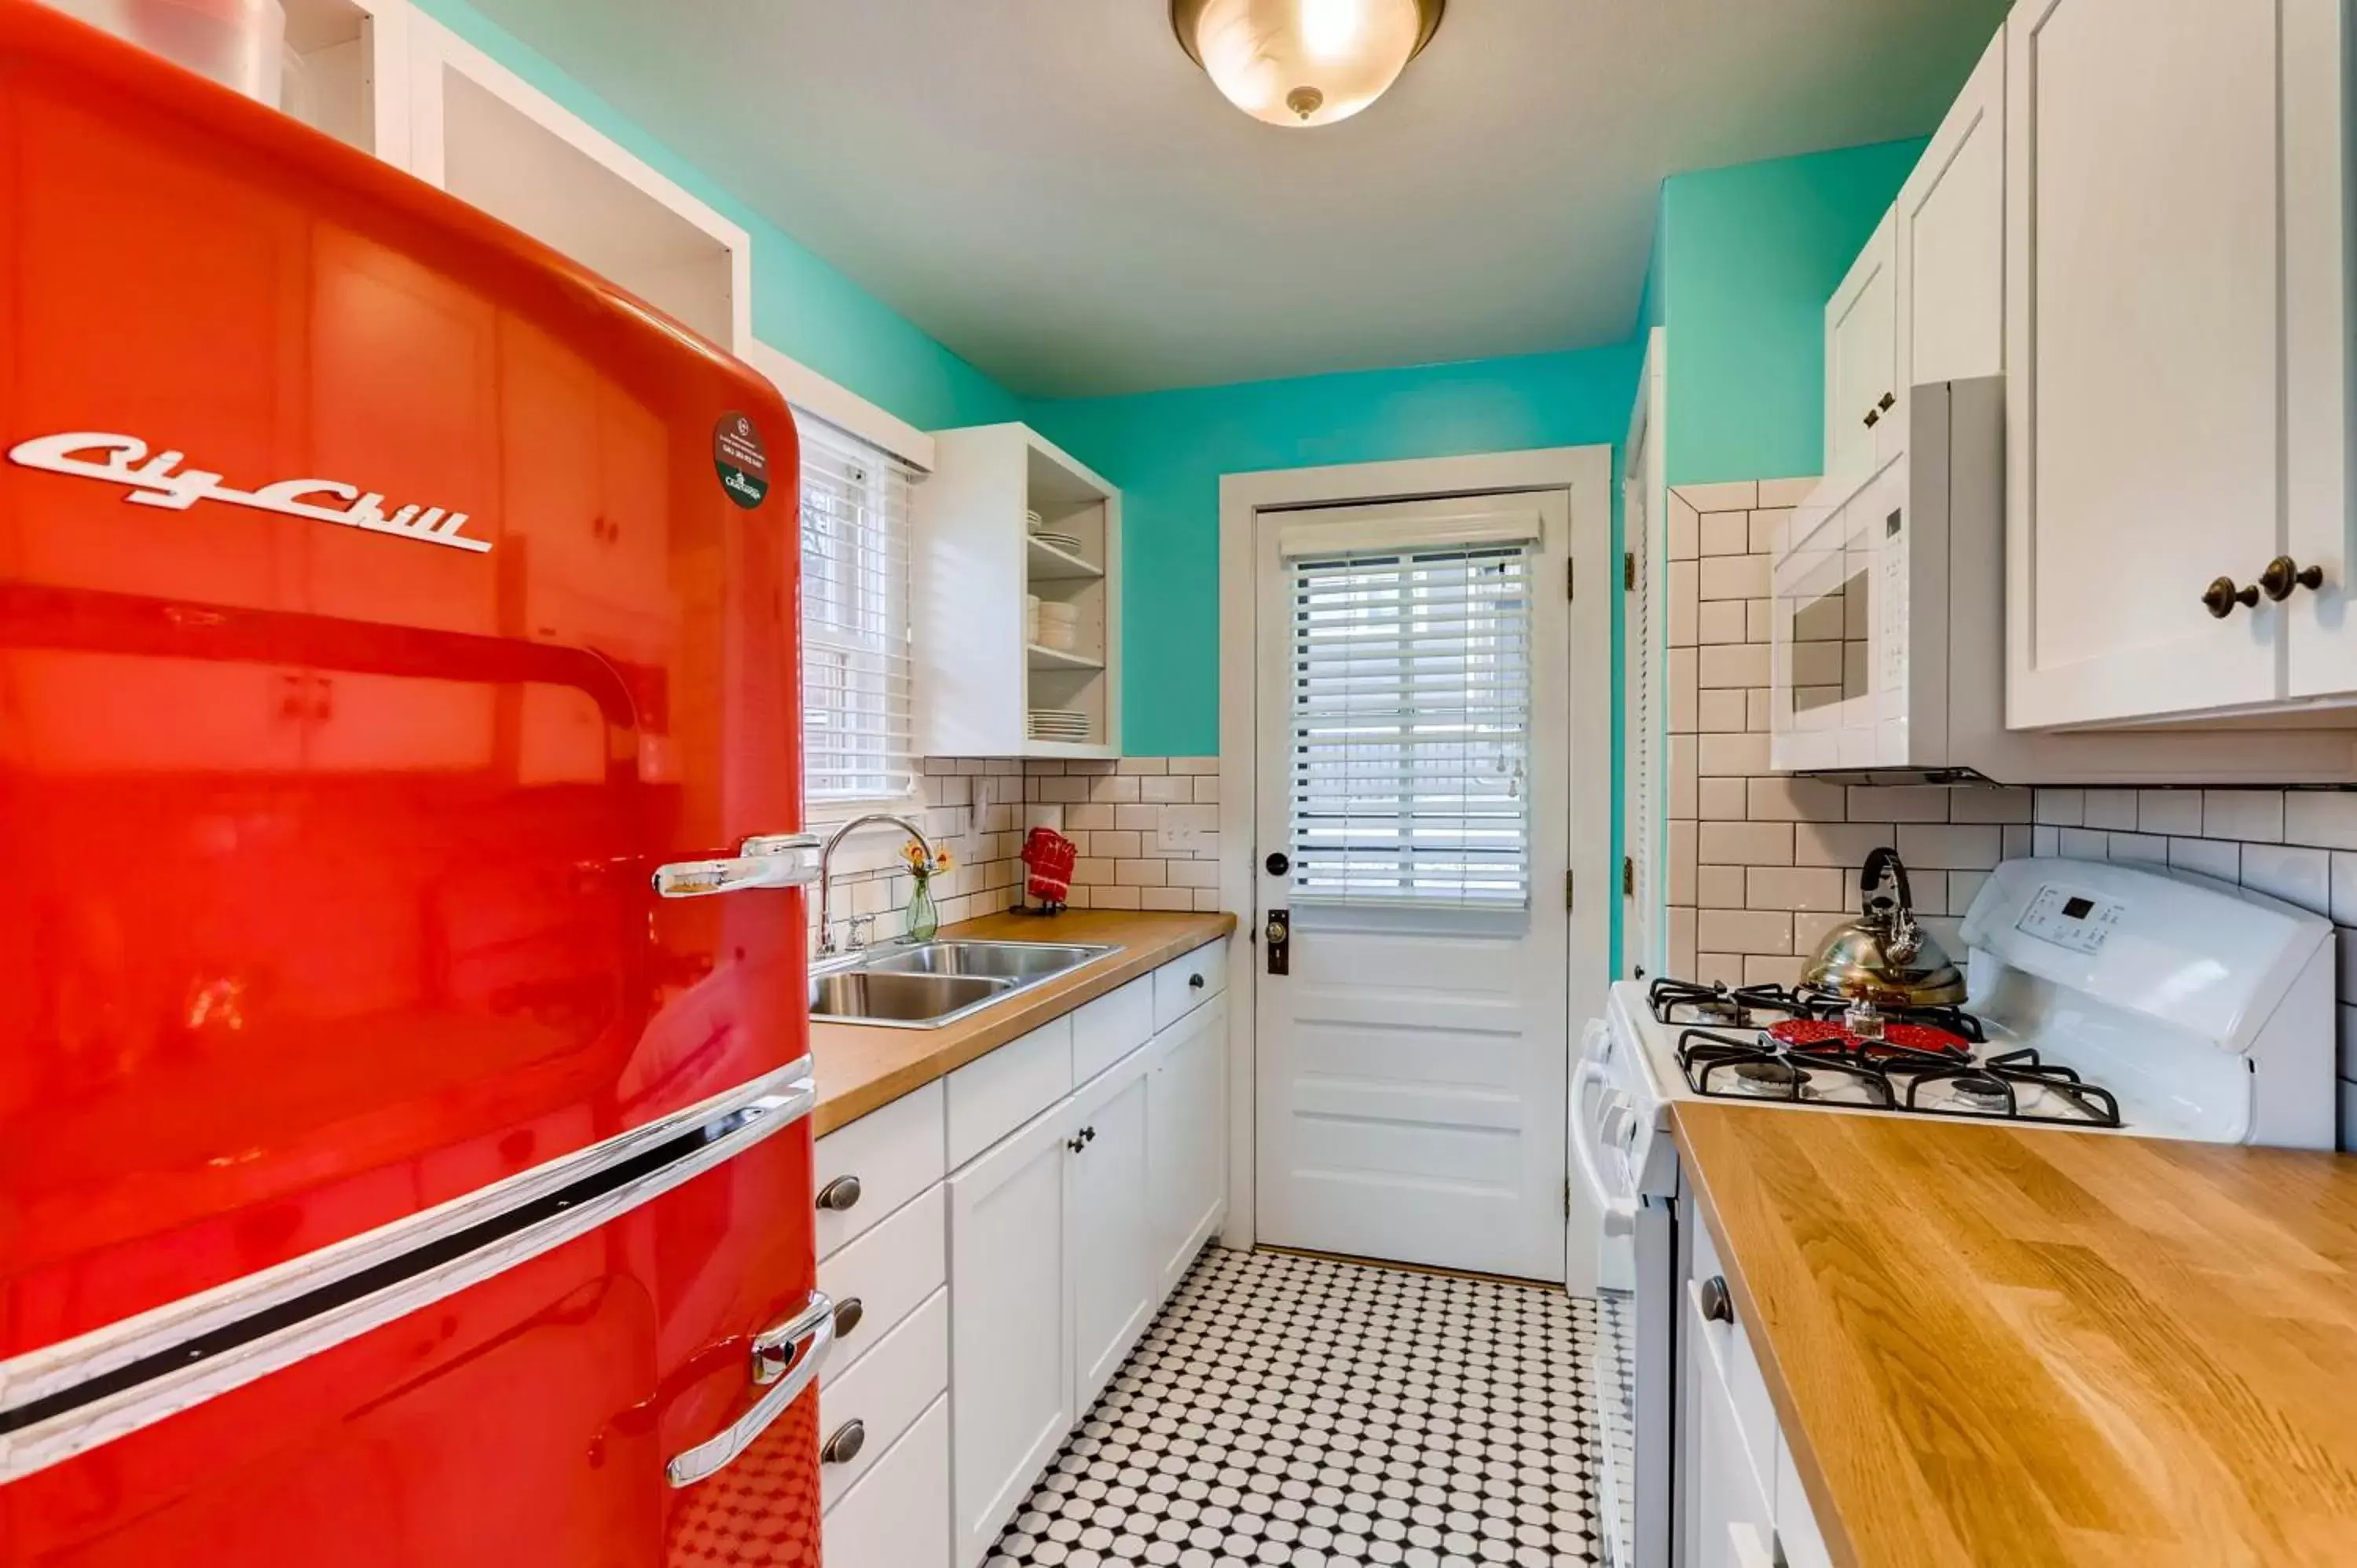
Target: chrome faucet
826, 948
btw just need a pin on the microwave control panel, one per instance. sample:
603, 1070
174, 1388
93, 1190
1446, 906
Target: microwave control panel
2082, 922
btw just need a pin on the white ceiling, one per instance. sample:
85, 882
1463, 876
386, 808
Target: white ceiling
1055, 191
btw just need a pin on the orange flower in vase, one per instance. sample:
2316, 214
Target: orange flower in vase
924, 917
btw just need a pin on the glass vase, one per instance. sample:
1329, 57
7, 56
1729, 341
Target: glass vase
924, 918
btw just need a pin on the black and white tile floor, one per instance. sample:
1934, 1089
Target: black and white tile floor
1296, 1412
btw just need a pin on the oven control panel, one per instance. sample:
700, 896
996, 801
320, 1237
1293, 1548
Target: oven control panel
2082, 922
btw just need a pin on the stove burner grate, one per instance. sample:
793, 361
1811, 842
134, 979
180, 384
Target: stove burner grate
2024, 1069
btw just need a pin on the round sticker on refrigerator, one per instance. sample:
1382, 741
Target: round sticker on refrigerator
741, 459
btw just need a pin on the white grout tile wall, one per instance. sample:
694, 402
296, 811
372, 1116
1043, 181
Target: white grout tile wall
1761, 864
1147, 827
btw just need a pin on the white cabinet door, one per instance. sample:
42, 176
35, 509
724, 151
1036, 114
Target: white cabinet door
1731, 1520
1187, 1127
1949, 239
898, 1514
1862, 388
2145, 353
1010, 1327
1115, 1279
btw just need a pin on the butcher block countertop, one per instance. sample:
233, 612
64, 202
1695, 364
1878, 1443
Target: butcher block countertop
861, 1068
2020, 1348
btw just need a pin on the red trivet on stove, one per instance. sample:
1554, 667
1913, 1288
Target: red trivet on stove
1830, 1036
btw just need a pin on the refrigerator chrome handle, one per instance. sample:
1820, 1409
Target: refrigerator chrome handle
767, 860
786, 1359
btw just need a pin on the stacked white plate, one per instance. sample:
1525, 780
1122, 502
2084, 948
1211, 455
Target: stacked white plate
1056, 626
1058, 724
1032, 519
1070, 543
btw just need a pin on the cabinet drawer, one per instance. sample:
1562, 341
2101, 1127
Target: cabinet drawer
894, 1153
890, 1272
1111, 1027
1185, 983
991, 1097
1729, 1346
898, 1514
884, 1392
1796, 1525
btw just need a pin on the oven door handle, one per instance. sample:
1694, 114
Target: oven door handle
1619, 1213
786, 1359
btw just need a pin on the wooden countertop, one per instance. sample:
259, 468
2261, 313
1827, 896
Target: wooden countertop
2009, 1347
861, 1068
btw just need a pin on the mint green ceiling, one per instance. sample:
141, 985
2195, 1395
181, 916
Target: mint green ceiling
1049, 189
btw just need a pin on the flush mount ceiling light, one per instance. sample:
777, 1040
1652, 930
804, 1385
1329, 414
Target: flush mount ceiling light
1304, 62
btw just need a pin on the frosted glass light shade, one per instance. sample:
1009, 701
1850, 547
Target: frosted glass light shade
1303, 63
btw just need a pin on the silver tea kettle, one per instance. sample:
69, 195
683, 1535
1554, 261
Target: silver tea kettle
1885, 956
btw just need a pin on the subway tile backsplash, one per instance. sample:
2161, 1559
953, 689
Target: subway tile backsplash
1750, 851
1146, 827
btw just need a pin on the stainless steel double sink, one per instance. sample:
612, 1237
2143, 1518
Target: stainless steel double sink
923, 985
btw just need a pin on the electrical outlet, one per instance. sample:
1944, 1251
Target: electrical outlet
1181, 828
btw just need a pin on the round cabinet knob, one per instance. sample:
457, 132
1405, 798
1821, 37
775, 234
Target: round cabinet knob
1195, 981
2220, 597
839, 1194
1718, 1307
2284, 573
848, 1315
843, 1447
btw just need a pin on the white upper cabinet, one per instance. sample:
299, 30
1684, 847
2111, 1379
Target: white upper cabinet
346, 72
2176, 355
1948, 238
1009, 517
481, 133
1862, 383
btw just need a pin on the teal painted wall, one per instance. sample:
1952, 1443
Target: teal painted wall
1167, 451
1744, 261
801, 305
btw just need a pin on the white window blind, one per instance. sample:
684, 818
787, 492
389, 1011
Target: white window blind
857, 731
1411, 725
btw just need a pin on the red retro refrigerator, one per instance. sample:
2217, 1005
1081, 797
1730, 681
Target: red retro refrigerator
403, 1077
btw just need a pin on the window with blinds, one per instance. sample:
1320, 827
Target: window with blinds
1411, 726
858, 734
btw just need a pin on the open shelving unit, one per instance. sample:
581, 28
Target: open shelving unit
977, 565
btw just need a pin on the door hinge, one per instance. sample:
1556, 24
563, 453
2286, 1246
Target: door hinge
1628, 877
1571, 579
1568, 1196
1570, 899
1629, 571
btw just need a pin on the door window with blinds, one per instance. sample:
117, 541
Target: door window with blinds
1411, 718
857, 729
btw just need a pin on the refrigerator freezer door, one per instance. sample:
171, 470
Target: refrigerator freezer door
376, 618
526, 1419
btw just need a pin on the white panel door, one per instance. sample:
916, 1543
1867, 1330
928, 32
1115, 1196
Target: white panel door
1411, 1068
1010, 1325
2144, 355
1186, 1140
1862, 391
1949, 239
1114, 1275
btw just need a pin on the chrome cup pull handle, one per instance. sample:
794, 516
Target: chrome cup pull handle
786, 1360
769, 860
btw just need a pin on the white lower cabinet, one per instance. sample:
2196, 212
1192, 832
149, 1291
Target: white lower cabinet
1739, 1499
898, 1516
1068, 1215
1186, 1140
1116, 1274
1010, 1356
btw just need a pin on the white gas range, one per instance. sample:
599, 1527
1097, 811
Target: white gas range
2103, 997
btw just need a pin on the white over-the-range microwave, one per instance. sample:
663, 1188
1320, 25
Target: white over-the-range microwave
1888, 632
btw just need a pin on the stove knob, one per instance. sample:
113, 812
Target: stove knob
1619, 1126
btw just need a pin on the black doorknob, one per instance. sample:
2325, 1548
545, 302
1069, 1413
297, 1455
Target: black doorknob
1278, 863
